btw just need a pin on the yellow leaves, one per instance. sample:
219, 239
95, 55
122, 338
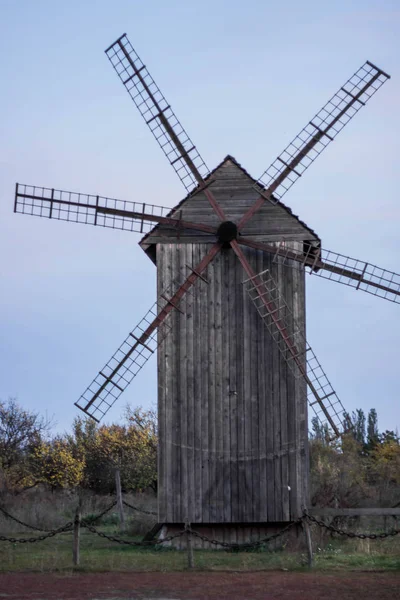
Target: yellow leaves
57, 465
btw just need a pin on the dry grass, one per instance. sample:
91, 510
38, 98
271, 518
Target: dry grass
47, 510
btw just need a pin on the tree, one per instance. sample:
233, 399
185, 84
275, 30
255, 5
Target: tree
130, 447
372, 429
56, 464
320, 431
20, 432
355, 424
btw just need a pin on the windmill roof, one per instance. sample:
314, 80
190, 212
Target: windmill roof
227, 158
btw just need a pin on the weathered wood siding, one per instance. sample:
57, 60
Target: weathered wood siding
234, 192
232, 417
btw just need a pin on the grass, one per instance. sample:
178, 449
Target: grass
98, 554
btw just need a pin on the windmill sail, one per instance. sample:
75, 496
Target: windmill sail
138, 346
96, 210
352, 272
288, 334
123, 366
317, 135
158, 114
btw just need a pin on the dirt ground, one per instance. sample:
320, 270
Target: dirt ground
221, 586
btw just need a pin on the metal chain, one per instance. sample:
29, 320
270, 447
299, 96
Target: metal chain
66, 527
113, 538
146, 512
50, 531
105, 511
7, 514
351, 534
235, 546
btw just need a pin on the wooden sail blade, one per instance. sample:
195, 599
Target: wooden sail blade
317, 135
138, 346
288, 334
157, 113
97, 210
352, 272
358, 274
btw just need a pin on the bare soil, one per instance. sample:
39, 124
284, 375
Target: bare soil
199, 586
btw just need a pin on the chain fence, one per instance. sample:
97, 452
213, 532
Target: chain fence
188, 531
351, 534
67, 527
35, 528
142, 510
118, 540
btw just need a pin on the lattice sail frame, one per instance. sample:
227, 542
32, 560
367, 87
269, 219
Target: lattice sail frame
179, 149
290, 165
86, 208
352, 272
129, 359
295, 349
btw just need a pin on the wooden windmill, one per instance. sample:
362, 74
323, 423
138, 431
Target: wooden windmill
235, 372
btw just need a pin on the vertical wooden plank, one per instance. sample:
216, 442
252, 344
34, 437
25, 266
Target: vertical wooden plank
182, 404
211, 392
255, 367
176, 407
219, 433
276, 363
191, 425
232, 290
226, 387
170, 481
203, 335
262, 400
247, 403
240, 352
293, 414
303, 478
269, 350
190, 416
198, 375
161, 408
285, 405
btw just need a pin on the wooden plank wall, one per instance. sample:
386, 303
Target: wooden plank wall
235, 193
232, 417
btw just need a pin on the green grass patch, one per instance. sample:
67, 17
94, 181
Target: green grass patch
98, 554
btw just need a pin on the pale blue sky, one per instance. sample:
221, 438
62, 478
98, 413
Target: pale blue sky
244, 78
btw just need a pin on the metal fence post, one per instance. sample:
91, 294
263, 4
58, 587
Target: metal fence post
76, 540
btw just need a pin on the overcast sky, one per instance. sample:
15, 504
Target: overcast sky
243, 78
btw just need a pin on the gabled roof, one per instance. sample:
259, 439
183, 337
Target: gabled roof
236, 193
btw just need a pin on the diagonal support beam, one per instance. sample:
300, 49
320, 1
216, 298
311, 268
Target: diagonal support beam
281, 328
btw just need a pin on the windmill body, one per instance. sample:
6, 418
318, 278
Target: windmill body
232, 415
233, 388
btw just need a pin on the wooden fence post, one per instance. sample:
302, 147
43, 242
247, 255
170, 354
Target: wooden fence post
189, 546
307, 534
76, 540
119, 500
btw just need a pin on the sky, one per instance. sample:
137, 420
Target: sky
243, 78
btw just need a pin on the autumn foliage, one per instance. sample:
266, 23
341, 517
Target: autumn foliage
360, 469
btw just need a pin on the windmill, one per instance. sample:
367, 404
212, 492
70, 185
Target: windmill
235, 371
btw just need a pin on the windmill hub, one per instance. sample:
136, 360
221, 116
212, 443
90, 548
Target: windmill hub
227, 232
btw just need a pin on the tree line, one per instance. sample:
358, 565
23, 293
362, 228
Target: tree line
87, 457
360, 468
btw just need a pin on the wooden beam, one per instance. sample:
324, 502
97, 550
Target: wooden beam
352, 512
